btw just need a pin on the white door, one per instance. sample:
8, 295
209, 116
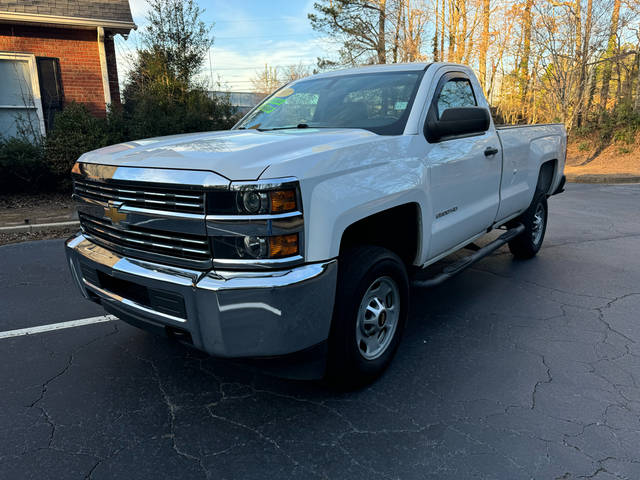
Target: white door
464, 180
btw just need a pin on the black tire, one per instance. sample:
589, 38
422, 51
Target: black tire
527, 244
358, 271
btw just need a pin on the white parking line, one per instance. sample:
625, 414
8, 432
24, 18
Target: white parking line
56, 326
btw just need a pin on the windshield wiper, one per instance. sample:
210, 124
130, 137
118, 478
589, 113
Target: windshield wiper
300, 125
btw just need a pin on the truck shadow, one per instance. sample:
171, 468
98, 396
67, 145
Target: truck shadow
436, 315
453, 363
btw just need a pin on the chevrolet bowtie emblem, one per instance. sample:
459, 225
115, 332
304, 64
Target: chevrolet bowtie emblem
113, 214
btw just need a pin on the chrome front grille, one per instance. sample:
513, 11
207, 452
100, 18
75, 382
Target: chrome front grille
135, 239
172, 199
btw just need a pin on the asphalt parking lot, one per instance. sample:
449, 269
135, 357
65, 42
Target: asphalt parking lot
512, 370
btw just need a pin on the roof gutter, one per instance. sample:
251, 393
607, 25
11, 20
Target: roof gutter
117, 26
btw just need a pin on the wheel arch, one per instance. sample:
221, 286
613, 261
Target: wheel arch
546, 175
398, 229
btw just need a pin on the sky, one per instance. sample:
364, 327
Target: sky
247, 34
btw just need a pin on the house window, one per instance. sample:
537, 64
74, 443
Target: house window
20, 105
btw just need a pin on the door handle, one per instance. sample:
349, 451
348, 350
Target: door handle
490, 151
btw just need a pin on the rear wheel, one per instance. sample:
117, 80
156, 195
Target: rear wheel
534, 219
369, 316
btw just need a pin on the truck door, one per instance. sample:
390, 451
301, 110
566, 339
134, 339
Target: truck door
465, 170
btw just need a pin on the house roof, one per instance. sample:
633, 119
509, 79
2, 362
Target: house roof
112, 14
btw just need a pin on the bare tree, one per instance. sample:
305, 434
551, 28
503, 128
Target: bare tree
436, 24
267, 80
547, 60
611, 47
295, 72
584, 58
359, 24
484, 43
523, 73
414, 19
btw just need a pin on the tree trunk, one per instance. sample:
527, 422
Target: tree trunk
484, 43
382, 44
442, 14
578, 26
584, 59
592, 87
453, 29
396, 36
611, 46
526, 47
619, 81
435, 35
414, 18
533, 117
636, 105
627, 92
462, 32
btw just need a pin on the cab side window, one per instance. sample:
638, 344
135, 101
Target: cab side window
457, 92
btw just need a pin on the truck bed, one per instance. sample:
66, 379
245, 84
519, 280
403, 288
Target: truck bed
508, 127
524, 149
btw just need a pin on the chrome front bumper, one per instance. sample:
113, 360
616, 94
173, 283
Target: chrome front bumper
227, 314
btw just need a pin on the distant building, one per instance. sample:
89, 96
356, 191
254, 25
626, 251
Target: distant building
242, 101
58, 51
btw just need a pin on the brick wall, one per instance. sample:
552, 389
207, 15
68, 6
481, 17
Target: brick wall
77, 51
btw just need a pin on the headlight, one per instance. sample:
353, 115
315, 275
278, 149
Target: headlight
252, 202
255, 247
255, 199
256, 223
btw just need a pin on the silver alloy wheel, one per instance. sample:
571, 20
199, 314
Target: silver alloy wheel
377, 318
538, 224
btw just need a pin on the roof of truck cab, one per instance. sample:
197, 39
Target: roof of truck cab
389, 67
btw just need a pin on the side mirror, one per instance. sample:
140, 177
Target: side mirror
456, 121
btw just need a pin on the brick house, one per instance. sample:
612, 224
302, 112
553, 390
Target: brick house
57, 51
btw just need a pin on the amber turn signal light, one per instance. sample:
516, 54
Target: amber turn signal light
283, 201
283, 246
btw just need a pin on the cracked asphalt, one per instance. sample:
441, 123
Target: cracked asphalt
511, 370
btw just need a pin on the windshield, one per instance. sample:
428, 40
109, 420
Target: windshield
379, 102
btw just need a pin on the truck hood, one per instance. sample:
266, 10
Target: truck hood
234, 154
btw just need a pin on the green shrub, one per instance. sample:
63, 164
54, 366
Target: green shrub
75, 131
624, 150
620, 124
116, 126
152, 113
22, 166
583, 146
30, 165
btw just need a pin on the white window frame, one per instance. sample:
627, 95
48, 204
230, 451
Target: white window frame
35, 85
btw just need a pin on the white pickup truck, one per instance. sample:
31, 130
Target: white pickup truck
290, 236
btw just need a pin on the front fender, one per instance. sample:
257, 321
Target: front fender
336, 203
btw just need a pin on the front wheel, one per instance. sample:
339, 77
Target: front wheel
534, 219
370, 313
